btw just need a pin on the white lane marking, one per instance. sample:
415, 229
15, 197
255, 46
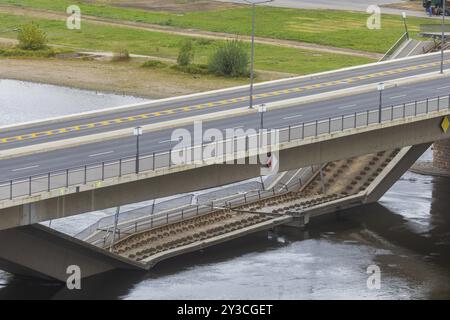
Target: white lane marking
26, 168
239, 127
446, 87
166, 141
396, 97
100, 154
346, 107
291, 117
415, 47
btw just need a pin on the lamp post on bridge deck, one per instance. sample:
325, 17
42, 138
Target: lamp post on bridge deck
252, 54
137, 132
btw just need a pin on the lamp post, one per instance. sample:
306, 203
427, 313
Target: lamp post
443, 34
380, 88
137, 132
406, 26
252, 54
262, 109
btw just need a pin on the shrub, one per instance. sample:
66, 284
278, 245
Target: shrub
31, 37
121, 55
229, 59
186, 54
153, 64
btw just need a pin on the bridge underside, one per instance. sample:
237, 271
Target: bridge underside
346, 183
38, 251
150, 185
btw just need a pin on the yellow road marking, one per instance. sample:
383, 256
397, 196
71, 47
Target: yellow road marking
215, 103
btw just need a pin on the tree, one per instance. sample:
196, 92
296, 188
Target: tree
186, 54
229, 59
31, 37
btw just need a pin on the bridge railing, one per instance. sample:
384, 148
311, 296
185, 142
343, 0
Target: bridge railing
100, 171
395, 47
157, 220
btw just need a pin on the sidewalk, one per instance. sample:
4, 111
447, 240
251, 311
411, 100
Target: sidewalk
347, 5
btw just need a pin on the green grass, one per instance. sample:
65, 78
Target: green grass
111, 38
327, 27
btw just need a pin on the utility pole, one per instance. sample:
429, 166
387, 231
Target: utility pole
137, 132
380, 88
252, 53
406, 26
443, 35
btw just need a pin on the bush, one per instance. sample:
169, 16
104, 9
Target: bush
186, 54
121, 55
31, 37
230, 59
154, 64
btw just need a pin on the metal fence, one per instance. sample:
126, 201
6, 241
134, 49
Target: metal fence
434, 28
395, 47
134, 214
154, 221
240, 146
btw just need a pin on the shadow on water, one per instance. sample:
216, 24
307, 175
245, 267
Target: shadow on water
386, 229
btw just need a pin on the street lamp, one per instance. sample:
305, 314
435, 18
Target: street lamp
380, 88
406, 26
137, 132
252, 55
443, 35
261, 109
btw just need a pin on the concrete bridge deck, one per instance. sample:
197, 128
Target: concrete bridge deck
329, 131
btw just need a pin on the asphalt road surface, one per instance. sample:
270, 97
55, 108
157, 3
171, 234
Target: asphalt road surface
162, 111
159, 141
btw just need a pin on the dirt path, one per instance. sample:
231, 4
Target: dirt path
188, 32
117, 77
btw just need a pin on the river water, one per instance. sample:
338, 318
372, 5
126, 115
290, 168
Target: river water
406, 235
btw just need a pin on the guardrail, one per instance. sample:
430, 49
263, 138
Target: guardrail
134, 215
154, 221
100, 171
434, 28
394, 48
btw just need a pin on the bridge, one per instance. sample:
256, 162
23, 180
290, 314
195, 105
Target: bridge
81, 163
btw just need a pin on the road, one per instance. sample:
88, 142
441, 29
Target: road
158, 141
347, 5
275, 91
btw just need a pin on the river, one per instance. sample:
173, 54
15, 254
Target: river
406, 234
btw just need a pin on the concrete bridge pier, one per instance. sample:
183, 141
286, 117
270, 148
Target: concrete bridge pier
440, 166
38, 251
441, 155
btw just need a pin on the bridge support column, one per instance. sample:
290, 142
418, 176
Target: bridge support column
38, 251
441, 155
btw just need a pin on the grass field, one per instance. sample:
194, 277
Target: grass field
326, 27
111, 38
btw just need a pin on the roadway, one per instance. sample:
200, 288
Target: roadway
155, 112
158, 141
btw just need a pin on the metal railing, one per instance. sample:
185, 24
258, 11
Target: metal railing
96, 172
433, 28
154, 221
134, 214
395, 47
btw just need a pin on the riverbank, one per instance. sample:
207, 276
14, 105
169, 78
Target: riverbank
128, 78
